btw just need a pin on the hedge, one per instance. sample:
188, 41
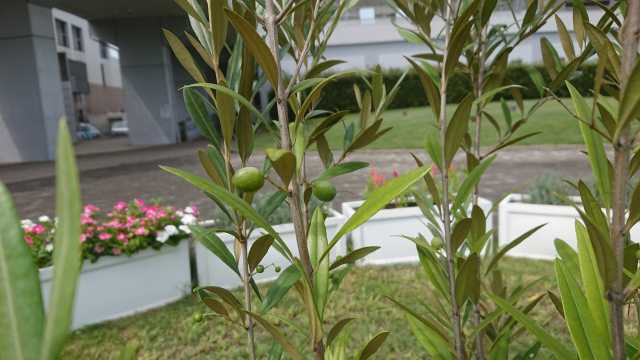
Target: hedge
339, 94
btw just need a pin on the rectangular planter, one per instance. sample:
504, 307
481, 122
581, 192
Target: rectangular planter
385, 229
516, 217
211, 271
119, 286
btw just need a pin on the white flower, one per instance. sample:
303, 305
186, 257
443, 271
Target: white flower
180, 213
171, 229
26, 223
162, 236
185, 229
49, 247
189, 210
188, 219
44, 218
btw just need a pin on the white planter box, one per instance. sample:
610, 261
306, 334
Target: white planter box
212, 271
114, 287
385, 229
516, 217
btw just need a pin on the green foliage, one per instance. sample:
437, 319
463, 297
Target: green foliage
338, 94
547, 189
25, 331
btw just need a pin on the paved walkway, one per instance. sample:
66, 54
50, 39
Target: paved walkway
133, 172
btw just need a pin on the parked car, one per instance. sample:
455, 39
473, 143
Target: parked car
119, 128
86, 131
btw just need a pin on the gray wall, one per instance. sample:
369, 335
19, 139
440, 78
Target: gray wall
31, 99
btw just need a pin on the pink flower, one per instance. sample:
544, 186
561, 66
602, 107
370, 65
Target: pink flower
116, 251
86, 219
104, 236
140, 231
139, 202
98, 249
38, 229
122, 237
83, 238
376, 177
160, 214
90, 209
120, 206
395, 172
28, 240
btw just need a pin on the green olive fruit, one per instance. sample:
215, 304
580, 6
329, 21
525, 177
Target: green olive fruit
197, 317
248, 179
323, 190
259, 269
436, 243
277, 268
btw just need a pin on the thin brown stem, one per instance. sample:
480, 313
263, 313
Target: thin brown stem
295, 199
246, 280
444, 178
622, 149
478, 87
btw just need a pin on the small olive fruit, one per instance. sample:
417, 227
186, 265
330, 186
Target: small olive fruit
248, 179
197, 317
436, 243
277, 268
259, 269
323, 190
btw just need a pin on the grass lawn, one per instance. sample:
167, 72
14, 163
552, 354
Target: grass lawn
409, 126
170, 333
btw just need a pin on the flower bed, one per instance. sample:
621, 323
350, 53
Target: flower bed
384, 230
211, 271
122, 248
517, 216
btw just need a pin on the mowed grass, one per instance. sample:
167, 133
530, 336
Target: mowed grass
409, 127
170, 332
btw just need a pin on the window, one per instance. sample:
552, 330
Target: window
78, 42
62, 33
104, 50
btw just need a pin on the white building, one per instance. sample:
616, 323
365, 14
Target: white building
89, 70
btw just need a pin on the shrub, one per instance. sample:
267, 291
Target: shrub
339, 93
545, 190
125, 229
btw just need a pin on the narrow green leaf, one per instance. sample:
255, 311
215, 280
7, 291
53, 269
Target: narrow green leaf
373, 345
284, 163
580, 322
354, 256
592, 284
595, 147
457, 129
233, 201
258, 250
239, 98
67, 259
183, 55
550, 342
280, 287
21, 310
468, 280
278, 336
254, 42
630, 103
342, 169
470, 182
565, 38
515, 242
317, 240
197, 109
376, 200
336, 329
211, 241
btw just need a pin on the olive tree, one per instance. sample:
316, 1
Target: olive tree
266, 33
